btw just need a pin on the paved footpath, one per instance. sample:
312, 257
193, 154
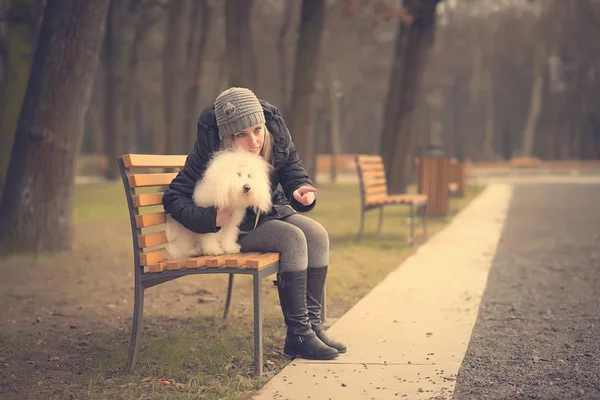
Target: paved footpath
502, 304
407, 338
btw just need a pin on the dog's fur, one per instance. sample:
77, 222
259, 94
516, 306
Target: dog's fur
233, 180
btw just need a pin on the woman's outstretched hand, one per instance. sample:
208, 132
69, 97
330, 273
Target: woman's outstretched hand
305, 195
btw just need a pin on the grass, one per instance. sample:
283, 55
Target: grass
185, 342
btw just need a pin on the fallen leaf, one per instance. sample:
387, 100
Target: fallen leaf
165, 383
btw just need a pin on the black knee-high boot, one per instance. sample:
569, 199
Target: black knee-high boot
301, 340
314, 295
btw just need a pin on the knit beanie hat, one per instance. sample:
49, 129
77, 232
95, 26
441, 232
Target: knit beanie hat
237, 109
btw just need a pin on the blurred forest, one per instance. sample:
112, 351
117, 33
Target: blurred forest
482, 79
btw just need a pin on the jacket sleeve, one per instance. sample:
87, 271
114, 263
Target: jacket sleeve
293, 175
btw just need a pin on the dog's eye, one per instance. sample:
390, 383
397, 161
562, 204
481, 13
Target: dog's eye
239, 174
248, 176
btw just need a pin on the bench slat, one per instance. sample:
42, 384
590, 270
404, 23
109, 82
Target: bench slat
374, 182
145, 180
396, 199
219, 261
375, 190
153, 161
373, 174
155, 267
365, 159
262, 261
370, 167
197, 262
256, 261
145, 220
152, 239
175, 264
240, 261
147, 199
153, 257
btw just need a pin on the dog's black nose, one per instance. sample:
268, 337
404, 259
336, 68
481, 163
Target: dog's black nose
246, 188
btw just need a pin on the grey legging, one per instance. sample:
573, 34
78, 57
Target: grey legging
301, 242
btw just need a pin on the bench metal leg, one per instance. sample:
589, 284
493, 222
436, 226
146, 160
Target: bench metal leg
228, 300
136, 328
412, 225
380, 220
362, 225
258, 326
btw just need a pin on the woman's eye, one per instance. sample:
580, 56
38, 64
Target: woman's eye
257, 130
240, 135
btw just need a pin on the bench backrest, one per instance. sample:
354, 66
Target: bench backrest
371, 174
144, 191
525, 162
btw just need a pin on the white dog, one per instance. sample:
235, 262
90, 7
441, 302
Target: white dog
234, 180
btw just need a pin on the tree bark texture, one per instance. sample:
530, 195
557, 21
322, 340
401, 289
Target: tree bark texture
241, 64
412, 44
19, 46
308, 49
36, 208
200, 25
174, 58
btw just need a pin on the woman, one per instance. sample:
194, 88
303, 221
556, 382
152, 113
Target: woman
238, 119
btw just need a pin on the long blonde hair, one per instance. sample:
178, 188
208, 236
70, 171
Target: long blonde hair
265, 152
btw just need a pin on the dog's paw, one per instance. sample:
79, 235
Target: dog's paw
231, 248
213, 251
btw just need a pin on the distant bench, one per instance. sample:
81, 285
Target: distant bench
525, 162
374, 194
151, 267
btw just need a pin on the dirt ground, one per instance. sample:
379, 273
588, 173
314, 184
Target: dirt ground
61, 314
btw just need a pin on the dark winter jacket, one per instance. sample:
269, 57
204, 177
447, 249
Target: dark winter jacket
287, 171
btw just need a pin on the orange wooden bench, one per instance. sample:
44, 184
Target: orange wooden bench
143, 189
374, 194
525, 162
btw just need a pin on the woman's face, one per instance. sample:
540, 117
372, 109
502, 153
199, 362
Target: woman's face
250, 139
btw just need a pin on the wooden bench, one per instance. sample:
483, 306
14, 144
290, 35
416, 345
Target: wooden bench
525, 162
151, 268
374, 194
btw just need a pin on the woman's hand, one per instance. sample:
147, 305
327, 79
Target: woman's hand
223, 217
305, 195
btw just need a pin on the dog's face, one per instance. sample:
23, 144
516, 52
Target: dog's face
236, 179
249, 183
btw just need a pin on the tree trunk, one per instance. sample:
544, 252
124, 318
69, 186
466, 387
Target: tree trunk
175, 46
199, 30
308, 49
119, 81
241, 65
334, 136
488, 139
535, 105
412, 44
35, 212
21, 24
283, 65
